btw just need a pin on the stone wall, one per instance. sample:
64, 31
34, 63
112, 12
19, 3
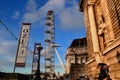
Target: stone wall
101, 21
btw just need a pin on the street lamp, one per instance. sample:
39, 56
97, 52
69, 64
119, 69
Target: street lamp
37, 74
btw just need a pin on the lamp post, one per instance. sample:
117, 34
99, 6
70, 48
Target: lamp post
37, 74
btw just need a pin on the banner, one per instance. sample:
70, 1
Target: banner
22, 45
35, 58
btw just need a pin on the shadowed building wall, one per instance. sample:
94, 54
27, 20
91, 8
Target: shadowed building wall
76, 57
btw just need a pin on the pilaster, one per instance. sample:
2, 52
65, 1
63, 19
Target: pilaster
93, 30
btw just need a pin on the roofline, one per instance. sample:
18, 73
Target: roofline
81, 6
74, 40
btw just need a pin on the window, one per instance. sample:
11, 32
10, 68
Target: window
83, 60
114, 11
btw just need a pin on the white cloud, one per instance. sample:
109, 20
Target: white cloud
71, 18
68, 15
7, 47
32, 17
54, 5
31, 6
7, 54
39, 15
16, 15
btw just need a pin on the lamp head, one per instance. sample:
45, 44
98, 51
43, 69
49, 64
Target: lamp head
39, 47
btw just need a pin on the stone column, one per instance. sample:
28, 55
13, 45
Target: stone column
93, 30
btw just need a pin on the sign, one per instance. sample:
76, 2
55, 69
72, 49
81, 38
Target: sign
35, 58
22, 45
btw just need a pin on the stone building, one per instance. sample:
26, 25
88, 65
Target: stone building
76, 57
102, 21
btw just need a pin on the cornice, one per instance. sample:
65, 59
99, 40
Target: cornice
91, 2
112, 45
90, 60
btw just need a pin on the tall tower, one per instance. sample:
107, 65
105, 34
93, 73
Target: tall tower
49, 36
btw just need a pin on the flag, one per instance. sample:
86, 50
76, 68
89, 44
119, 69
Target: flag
22, 45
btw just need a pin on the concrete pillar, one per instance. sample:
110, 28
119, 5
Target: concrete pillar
93, 30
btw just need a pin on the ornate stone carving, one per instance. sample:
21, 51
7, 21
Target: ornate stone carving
101, 25
101, 28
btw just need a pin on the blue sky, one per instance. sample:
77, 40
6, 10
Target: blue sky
69, 25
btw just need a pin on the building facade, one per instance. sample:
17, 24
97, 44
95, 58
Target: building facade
76, 57
102, 21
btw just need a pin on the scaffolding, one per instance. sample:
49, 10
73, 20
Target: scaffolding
49, 39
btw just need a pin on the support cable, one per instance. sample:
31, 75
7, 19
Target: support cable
5, 26
11, 33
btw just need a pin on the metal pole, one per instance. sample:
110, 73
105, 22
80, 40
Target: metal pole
59, 59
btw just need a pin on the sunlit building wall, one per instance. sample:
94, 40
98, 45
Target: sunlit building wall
102, 22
